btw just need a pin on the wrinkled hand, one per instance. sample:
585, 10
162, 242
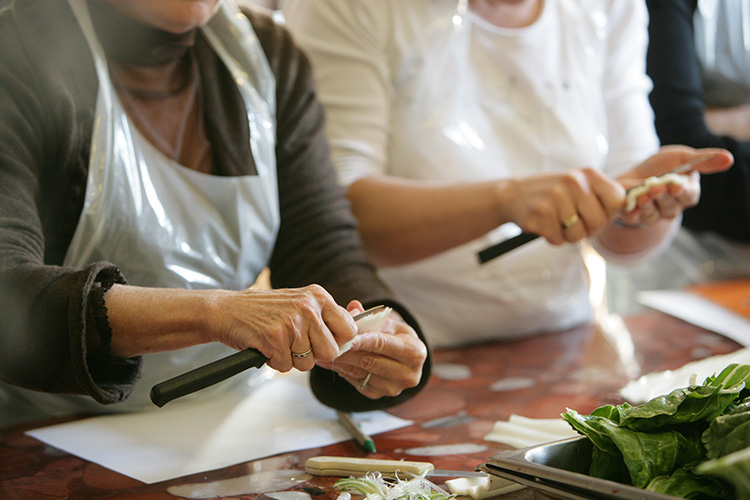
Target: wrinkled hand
669, 200
285, 321
393, 356
540, 204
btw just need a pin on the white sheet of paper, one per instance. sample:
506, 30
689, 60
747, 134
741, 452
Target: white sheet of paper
188, 437
699, 311
656, 384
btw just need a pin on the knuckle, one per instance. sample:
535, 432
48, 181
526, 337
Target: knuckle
280, 366
305, 304
316, 293
368, 363
326, 353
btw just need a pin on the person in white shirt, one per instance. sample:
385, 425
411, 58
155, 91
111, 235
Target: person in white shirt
457, 123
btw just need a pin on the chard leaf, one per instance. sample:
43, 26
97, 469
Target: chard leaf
681, 406
739, 406
645, 455
730, 376
593, 427
734, 468
609, 412
606, 466
648, 455
685, 484
727, 434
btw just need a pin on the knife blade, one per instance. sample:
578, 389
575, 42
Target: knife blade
219, 370
357, 467
498, 249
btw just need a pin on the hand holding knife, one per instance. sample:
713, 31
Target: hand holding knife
221, 369
632, 194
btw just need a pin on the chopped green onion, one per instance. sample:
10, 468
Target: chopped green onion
373, 486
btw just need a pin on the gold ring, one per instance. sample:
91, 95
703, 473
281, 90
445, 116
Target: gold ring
302, 354
572, 221
362, 384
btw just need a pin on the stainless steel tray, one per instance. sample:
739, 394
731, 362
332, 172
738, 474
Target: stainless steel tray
558, 470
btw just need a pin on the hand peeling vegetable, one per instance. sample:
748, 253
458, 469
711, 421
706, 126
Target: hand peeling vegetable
373, 486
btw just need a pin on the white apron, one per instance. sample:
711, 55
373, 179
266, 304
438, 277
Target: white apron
165, 225
466, 111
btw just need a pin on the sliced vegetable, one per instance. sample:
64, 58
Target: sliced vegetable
373, 486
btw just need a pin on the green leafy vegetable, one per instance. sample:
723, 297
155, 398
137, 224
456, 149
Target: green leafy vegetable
734, 468
645, 455
684, 483
727, 434
691, 443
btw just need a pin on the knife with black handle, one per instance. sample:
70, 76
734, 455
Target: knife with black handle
221, 369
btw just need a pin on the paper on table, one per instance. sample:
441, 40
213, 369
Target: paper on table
699, 311
189, 437
656, 384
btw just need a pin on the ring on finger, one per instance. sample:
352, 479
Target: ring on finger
570, 221
362, 384
302, 354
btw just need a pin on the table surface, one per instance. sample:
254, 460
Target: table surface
581, 368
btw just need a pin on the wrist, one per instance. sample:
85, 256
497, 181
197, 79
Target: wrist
214, 321
618, 222
504, 194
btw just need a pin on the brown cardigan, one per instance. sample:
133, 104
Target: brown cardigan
53, 327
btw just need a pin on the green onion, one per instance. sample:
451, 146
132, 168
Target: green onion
373, 486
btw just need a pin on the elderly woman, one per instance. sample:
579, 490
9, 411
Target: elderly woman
156, 156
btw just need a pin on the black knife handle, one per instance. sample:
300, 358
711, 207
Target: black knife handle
205, 376
498, 249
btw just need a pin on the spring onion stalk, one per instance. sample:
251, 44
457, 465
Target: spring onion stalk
373, 486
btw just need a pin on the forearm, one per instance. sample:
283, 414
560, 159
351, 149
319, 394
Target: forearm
147, 320
626, 246
402, 220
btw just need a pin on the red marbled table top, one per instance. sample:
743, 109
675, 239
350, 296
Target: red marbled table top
579, 369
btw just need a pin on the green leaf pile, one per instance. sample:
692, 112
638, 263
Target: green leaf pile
692, 443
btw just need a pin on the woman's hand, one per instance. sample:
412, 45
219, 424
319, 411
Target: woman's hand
382, 363
293, 328
666, 201
564, 206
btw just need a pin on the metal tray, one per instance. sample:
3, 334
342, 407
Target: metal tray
558, 470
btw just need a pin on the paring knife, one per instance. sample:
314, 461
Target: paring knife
514, 242
219, 370
357, 467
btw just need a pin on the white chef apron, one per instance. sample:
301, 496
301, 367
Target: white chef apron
467, 112
165, 225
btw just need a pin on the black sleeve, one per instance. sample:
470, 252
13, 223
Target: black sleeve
318, 240
678, 102
48, 314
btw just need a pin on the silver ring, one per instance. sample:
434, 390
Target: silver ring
302, 354
362, 384
572, 221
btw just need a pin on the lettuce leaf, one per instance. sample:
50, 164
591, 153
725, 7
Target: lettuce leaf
691, 443
733, 468
684, 483
693, 404
645, 455
727, 434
